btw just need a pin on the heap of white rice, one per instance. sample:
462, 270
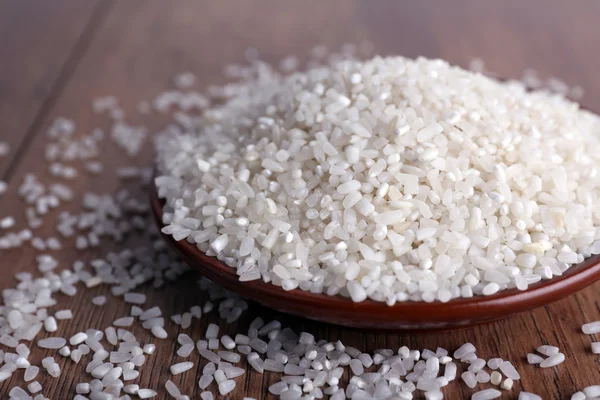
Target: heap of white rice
391, 179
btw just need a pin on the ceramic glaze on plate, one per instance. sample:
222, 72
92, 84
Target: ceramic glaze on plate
369, 314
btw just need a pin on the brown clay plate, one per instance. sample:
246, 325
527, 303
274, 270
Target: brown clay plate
411, 316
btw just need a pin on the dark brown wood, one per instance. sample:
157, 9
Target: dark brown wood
133, 48
37, 54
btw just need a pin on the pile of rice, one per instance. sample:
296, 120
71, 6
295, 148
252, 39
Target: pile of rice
392, 179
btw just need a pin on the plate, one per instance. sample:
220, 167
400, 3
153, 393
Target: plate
369, 314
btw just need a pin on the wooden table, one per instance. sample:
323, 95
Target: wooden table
55, 56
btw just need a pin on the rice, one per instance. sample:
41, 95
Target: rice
123, 321
64, 351
386, 181
146, 393
507, 384
212, 331
495, 378
149, 348
78, 338
209, 355
483, 376
206, 396
99, 300
477, 365
150, 313
30, 373
548, 350
509, 370
486, 394
135, 298
534, 358
469, 379
159, 332
82, 388
463, 350
185, 350
205, 381
592, 391
229, 356
228, 342
553, 360
226, 387
52, 343
591, 328
64, 314
578, 396
183, 339
172, 389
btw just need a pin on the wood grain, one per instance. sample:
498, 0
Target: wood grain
132, 49
40, 43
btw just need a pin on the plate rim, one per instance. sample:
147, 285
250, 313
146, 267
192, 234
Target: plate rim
458, 312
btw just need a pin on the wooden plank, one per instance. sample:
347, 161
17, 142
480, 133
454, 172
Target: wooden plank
39, 44
555, 39
141, 45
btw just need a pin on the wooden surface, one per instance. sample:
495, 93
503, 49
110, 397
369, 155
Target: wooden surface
56, 56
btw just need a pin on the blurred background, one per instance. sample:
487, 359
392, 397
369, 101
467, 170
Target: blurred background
60, 51
63, 50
